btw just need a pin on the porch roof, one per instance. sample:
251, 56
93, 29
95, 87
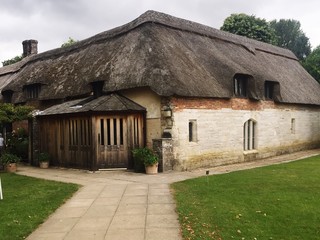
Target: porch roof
106, 103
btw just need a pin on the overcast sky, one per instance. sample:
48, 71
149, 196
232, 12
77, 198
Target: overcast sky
52, 22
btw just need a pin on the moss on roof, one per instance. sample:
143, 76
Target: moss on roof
172, 56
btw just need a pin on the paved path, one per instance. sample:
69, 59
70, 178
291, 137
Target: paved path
123, 205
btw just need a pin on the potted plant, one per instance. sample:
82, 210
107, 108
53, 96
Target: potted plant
43, 159
148, 158
10, 161
138, 156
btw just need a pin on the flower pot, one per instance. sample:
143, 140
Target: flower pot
152, 169
11, 167
44, 164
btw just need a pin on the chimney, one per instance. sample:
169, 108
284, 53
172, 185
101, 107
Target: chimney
30, 47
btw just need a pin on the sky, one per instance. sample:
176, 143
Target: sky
52, 22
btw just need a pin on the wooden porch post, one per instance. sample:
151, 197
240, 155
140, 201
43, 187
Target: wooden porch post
94, 144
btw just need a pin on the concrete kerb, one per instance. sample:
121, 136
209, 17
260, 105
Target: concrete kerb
122, 204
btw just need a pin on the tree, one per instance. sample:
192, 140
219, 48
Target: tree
12, 60
10, 113
249, 26
70, 42
290, 36
312, 63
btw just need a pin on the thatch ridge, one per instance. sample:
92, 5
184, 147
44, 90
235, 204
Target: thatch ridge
171, 56
169, 21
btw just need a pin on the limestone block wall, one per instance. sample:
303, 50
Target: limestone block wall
219, 132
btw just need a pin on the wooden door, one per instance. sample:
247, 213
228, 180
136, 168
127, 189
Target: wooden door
112, 142
117, 135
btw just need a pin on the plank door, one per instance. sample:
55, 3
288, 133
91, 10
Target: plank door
112, 142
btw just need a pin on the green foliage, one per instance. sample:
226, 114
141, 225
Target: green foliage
290, 36
12, 60
145, 156
7, 158
28, 202
10, 113
70, 42
312, 63
275, 202
44, 157
249, 26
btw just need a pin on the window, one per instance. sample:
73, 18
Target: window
249, 135
97, 88
268, 90
240, 85
7, 96
293, 125
192, 130
112, 131
79, 132
32, 91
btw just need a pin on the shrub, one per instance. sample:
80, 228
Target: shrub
44, 157
145, 156
7, 158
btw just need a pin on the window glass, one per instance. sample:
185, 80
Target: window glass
192, 130
249, 135
240, 86
268, 89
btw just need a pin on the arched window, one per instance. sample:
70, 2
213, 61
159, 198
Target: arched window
249, 135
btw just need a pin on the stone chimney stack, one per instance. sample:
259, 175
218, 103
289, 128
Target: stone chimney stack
30, 47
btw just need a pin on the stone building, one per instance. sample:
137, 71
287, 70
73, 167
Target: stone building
199, 96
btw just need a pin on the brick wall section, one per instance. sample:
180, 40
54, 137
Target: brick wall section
20, 124
179, 104
220, 130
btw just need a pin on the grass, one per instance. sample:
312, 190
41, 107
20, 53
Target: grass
274, 202
28, 202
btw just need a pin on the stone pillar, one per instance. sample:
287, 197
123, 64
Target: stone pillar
164, 148
34, 144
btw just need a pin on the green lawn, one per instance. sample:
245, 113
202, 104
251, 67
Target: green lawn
274, 202
28, 202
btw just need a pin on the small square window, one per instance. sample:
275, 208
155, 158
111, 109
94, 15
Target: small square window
269, 90
32, 91
240, 86
7, 96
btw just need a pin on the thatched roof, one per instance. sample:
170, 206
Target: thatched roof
106, 103
172, 56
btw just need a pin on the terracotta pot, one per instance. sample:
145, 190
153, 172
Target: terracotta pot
44, 164
11, 167
152, 169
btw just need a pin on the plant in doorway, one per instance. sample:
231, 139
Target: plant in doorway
44, 159
145, 156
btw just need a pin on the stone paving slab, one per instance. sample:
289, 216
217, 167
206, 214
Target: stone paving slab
124, 205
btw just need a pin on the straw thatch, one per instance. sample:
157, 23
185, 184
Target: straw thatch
172, 56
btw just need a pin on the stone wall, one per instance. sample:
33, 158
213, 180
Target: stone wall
279, 128
163, 147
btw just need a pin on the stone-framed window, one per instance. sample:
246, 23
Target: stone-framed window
240, 85
193, 130
249, 132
